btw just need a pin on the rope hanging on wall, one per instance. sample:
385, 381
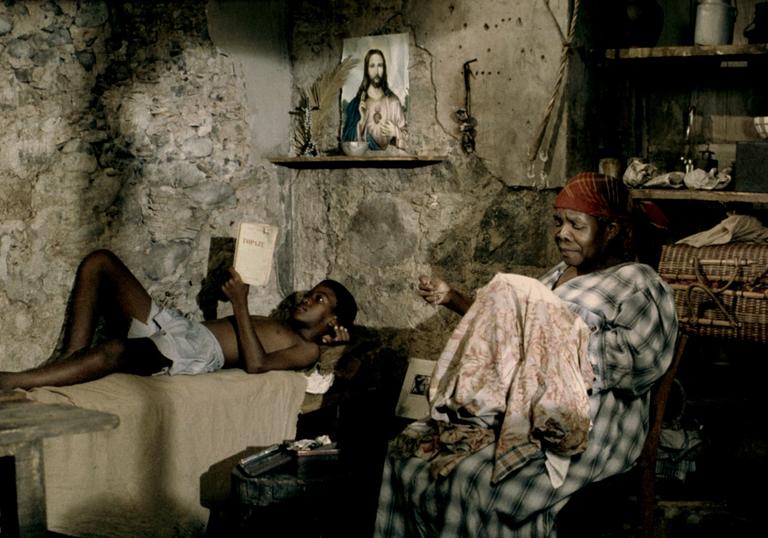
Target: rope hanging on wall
535, 149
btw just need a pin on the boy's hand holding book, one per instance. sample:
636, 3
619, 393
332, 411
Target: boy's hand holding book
235, 289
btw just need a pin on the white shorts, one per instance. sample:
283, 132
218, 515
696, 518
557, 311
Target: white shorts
191, 347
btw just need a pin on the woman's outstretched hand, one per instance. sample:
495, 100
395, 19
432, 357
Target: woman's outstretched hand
434, 290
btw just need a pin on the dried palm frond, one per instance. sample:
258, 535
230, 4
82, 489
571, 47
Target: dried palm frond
303, 140
324, 92
303, 143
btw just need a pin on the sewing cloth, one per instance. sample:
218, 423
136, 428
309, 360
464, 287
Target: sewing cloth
732, 228
189, 344
631, 313
517, 365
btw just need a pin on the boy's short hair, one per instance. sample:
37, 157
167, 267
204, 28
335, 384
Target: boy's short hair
346, 306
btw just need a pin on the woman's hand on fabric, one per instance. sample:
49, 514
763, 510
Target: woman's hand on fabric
434, 290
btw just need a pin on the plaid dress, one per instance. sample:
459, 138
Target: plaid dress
631, 313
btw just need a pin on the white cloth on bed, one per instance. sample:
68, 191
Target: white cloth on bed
318, 382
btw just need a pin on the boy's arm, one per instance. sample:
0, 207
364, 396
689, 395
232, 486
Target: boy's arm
256, 359
299, 356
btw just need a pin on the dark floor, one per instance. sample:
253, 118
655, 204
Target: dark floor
720, 396
682, 511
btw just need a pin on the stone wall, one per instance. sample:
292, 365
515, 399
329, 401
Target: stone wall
123, 127
463, 219
146, 127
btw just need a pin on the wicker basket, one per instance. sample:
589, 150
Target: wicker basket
720, 290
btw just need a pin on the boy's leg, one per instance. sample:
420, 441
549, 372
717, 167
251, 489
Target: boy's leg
136, 356
104, 285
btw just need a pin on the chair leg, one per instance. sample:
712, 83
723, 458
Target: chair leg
647, 499
647, 461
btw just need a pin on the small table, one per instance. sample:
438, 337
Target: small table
306, 496
23, 426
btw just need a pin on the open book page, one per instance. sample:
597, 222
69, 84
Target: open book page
413, 402
254, 250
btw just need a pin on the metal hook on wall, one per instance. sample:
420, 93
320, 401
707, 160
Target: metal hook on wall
467, 123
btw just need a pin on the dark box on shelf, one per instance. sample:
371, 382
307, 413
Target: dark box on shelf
751, 173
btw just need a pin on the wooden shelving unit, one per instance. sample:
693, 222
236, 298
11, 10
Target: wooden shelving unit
700, 195
722, 52
366, 161
685, 63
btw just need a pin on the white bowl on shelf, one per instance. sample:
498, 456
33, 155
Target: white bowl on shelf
761, 126
354, 149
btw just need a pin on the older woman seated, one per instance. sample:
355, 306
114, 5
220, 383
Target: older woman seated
531, 364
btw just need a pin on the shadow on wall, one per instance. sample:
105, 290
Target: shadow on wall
221, 256
513, 234
466, 242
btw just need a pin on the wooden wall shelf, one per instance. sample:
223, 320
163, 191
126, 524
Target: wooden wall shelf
702, 195
721, 52
343, 161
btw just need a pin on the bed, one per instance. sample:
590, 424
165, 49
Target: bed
144, 477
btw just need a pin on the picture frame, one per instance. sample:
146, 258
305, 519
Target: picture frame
364, 110
413, 402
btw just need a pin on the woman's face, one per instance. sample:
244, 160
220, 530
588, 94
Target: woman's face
581, 239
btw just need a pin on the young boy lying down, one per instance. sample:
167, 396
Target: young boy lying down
150, 339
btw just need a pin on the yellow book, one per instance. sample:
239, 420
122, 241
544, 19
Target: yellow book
254, 250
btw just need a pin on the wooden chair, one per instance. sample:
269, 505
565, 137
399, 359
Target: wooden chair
646, 464
578, 514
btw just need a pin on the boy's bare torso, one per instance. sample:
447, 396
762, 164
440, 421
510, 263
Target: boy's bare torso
273, 335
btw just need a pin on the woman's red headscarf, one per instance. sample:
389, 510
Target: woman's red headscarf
604, 196
596, 195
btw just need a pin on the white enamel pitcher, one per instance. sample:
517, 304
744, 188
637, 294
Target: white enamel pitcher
714, 22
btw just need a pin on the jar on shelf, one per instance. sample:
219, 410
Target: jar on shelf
714, 22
